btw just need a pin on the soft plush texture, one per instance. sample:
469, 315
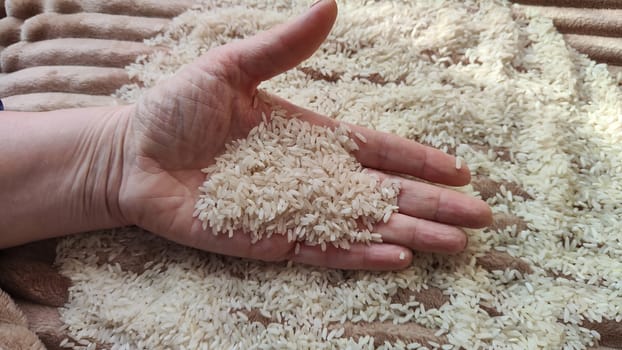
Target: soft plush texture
47, 101
147, 8
14, 326
78, 51
72, 79
603, 22
132, 249
91, 25
603, 49
605, 4
23, 9
33, 280
18, 337
11, 314
10, 28
45, 322
28, 272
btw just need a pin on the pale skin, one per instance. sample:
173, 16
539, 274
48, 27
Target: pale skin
79, 170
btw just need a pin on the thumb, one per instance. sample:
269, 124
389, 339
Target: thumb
281, 48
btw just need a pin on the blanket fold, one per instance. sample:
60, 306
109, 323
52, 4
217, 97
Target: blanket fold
603, 22
47, 101
603, 49
71, 79
91, 25
23, 9
10, 28
45, 322
14, 327
76, 51
604, 4
146, 8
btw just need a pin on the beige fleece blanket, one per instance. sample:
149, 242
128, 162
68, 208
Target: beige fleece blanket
100, 38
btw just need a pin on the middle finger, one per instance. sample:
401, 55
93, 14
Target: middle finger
439, 204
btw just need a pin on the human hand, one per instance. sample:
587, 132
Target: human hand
180, 126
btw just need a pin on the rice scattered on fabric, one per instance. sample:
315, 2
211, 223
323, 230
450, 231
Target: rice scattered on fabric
472, 77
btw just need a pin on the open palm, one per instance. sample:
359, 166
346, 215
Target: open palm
181, 125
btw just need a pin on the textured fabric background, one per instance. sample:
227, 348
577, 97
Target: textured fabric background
70, 53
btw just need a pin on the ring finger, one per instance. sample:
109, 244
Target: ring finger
422, 235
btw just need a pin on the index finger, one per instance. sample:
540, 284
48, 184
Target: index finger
389, 152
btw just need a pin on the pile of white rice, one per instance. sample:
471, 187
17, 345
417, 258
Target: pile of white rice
292, 178
454, 74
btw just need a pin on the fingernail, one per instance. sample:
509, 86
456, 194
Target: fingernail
315, 3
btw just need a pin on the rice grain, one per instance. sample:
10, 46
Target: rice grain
466, 73
305, 184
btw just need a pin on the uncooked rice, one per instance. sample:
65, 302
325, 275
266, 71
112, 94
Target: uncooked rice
292, 178
469, 73
361, 137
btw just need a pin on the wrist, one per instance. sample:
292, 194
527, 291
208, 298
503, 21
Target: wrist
62, 172
99, 169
